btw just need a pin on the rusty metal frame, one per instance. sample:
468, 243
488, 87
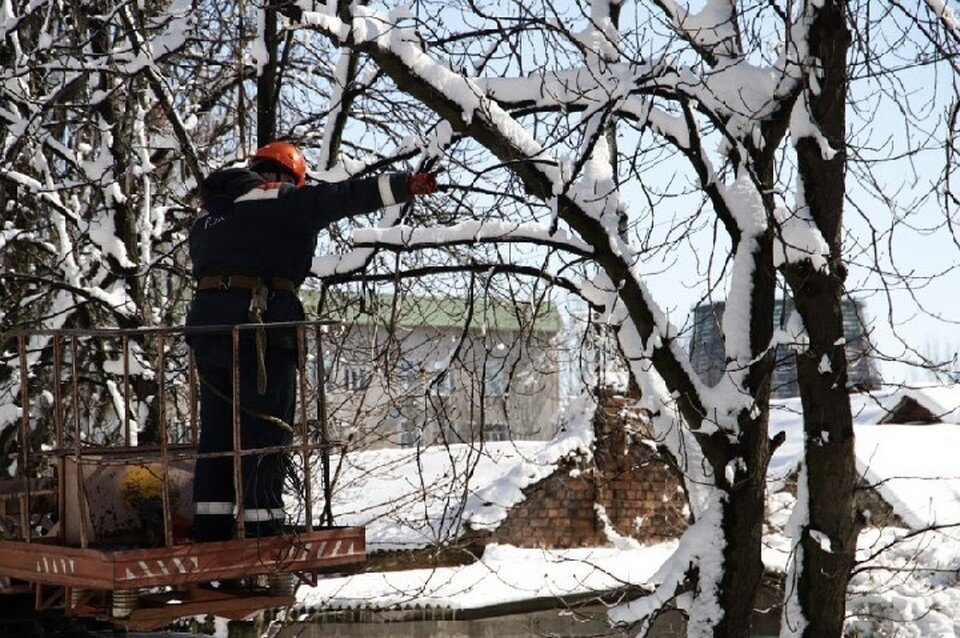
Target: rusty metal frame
55, 570
56, 565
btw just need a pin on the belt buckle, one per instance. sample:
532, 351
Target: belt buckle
224, 283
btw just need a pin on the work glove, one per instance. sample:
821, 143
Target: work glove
422, 183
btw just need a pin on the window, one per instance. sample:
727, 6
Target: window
409, 432
355, 378
495, 377
441, 379
496, 432
407, 377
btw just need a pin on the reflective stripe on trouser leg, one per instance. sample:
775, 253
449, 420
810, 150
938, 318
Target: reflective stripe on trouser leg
214, 508
213, 488
262, 514
263, 474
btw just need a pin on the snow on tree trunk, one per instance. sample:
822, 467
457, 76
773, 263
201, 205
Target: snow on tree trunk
826, 525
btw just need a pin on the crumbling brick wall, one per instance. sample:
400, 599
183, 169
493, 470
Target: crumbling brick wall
640, 495
557, 512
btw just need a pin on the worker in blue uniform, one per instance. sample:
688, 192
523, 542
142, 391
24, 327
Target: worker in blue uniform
250, 251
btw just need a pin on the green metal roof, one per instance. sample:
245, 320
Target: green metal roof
416, 311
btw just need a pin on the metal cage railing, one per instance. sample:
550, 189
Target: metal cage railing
89, 398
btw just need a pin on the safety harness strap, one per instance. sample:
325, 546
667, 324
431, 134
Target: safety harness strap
243, 282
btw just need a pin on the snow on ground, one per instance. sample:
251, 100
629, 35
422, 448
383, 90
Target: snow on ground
907, 584
504, 574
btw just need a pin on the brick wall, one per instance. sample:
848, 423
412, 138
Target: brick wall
641, 496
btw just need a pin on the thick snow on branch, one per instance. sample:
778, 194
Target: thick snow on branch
355, 259
103, 234
672, 127
370, 26
792, 619
258, 48
579, 87
744, 202
712, 27
740, 92
671, 432
798, 239
469, 231
340, 80
803, 126
946, 14
10, 413
586, 89
701, 547
739, 95
601, 37
598, 184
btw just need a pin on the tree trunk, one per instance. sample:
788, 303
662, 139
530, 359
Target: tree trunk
742, 524
267, 80
827, 540
743, 512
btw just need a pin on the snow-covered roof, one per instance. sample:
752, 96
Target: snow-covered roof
913, 467
410, 498
941, 402
503, 574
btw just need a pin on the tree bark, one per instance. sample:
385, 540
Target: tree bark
267, 80
744, 510
827, 541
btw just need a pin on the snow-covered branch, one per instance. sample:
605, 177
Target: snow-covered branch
464, 105
711, 31
946, 15
470, 232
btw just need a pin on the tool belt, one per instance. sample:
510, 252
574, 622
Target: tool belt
260, 289
244, 282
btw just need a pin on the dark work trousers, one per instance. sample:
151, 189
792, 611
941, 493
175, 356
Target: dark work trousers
262, 475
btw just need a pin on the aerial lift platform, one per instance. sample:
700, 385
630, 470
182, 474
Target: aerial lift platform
95, 523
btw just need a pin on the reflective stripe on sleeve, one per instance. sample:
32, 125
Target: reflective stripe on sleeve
386, 193
266, 191
213, 508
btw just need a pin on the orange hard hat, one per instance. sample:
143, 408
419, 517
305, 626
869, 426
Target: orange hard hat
285, 154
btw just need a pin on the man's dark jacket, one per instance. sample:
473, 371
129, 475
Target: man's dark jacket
251, 227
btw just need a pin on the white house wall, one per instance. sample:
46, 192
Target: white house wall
386, 388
